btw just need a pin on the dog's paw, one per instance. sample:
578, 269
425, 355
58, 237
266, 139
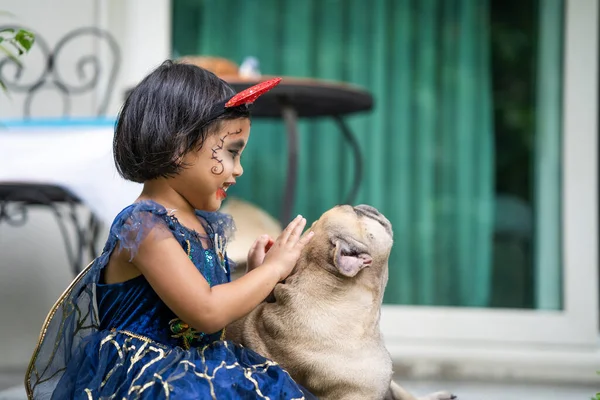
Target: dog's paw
439, 396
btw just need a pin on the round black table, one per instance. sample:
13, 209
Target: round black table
297, 98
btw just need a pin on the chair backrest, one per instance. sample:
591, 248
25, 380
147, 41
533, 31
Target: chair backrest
80, 70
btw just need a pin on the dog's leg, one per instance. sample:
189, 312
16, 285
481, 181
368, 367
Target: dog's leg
439, 396
397, 392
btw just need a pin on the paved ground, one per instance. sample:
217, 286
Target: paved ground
504, 391
11, 388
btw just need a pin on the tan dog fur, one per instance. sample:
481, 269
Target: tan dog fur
323, 326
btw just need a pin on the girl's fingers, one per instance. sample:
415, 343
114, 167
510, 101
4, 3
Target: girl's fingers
253, 247
298, 229
269, 244
289, 229
305, 238
259, 241
264, 243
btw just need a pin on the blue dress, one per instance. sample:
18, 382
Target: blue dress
120, 341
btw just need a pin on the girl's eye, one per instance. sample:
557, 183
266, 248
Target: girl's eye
234, 153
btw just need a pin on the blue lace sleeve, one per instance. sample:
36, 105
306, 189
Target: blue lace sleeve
137, 223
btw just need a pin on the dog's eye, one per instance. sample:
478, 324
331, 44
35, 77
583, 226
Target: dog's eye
349, 246
353, 249
350, 251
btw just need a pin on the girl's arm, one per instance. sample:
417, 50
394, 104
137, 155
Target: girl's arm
185, 291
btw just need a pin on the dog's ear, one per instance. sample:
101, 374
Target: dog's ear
348, 260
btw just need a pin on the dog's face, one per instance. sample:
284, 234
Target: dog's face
349, 239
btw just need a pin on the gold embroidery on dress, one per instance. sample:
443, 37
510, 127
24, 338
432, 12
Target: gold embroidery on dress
204, 375
139, 354
146, 347
137, 387
110, 339
220, 249
164, 384
140, 388
138, 336
189, 249
248, 375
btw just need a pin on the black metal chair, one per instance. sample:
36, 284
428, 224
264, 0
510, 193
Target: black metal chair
17, 197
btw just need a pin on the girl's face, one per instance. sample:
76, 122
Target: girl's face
215, 167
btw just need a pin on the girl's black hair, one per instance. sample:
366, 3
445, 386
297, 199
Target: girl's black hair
164, 118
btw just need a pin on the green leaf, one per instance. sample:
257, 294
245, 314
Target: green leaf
21, 40
25, 39
9, 54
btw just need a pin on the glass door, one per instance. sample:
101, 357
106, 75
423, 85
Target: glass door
529, 275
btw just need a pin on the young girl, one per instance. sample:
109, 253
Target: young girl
147, 318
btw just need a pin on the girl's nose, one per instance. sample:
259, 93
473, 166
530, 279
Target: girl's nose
238, 170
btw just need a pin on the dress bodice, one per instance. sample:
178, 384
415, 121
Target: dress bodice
133, 305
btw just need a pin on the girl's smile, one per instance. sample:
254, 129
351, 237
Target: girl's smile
210, 171
222, 191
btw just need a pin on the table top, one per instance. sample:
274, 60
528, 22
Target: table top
36, 193
74, 155
309, 97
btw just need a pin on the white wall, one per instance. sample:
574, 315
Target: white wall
51, 19
143, 46
33, 265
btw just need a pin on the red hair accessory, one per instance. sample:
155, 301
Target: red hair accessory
248, 96
243, 98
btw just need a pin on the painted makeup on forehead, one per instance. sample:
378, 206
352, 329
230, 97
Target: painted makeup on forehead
218, 168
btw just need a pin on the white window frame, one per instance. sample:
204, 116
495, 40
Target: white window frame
576, 326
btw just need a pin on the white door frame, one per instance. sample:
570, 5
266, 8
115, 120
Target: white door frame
576, 325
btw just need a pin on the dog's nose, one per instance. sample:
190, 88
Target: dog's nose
364, 210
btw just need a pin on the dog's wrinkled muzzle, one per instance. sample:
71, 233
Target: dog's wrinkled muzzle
363, 210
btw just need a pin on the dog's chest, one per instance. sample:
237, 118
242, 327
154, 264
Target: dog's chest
358, 371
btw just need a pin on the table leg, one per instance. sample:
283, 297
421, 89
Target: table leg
290, 117
85, 237
93, 228
358, 160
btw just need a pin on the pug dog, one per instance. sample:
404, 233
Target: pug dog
322, 324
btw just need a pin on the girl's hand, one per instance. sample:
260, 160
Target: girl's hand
287, 248
257, 252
